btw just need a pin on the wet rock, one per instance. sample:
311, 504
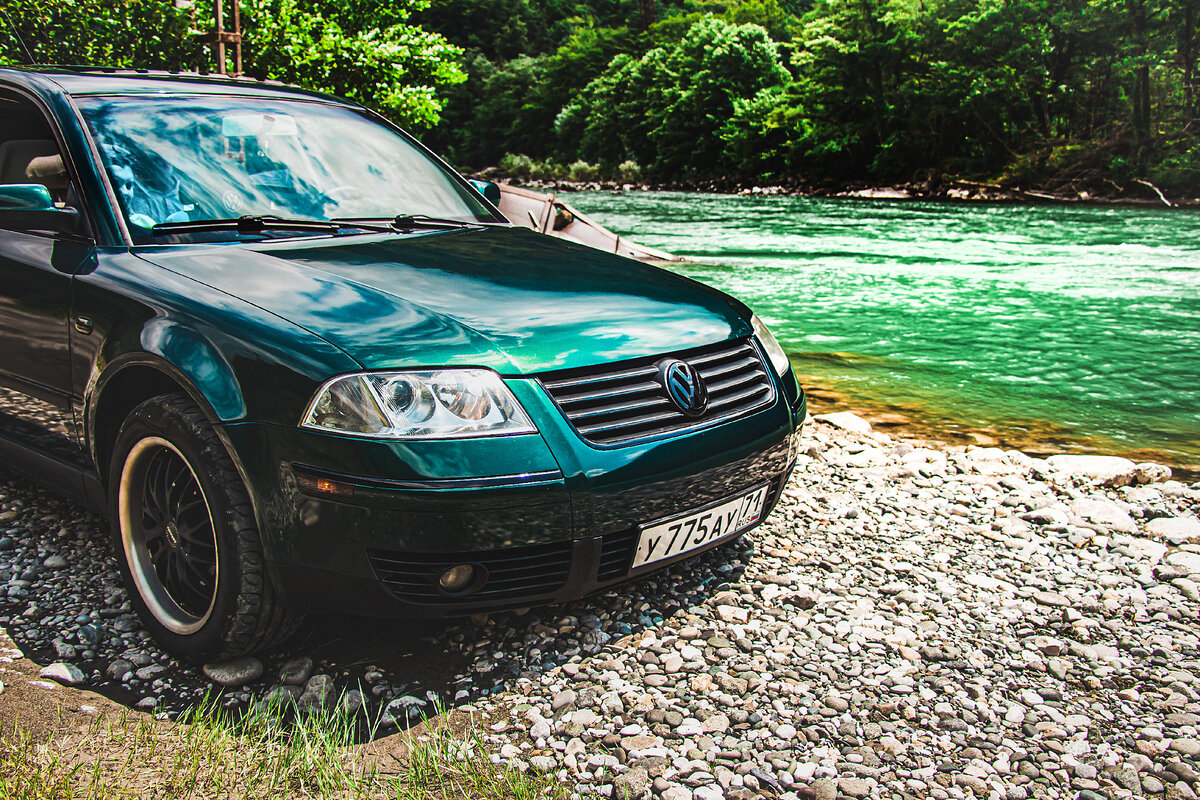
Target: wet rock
297, 671
234, 673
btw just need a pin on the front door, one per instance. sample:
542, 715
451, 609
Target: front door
35, 292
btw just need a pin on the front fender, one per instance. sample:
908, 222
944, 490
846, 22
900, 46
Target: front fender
197, 360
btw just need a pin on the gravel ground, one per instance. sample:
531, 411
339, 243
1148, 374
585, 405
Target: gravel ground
910, 622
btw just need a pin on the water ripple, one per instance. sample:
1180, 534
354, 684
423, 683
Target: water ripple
1088, 317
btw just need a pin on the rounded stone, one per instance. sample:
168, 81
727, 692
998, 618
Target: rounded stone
234, 672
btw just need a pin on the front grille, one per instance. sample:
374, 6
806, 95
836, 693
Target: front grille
512, 573
616, 554
619, 403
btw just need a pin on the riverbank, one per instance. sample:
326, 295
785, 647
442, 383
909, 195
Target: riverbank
911, 621
1137, 194
1037, 438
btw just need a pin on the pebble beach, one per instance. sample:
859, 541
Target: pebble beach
913, 620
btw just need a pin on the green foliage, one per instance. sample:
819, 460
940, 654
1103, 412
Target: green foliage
666, 108
1067, 93
364, 50
517, 167
629, 172
583, 171
141, 34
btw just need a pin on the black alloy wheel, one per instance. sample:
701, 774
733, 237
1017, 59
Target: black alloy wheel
186, 537
168, 535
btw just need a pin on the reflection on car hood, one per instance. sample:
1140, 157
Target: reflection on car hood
508, 298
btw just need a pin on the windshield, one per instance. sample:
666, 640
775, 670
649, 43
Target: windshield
186, 158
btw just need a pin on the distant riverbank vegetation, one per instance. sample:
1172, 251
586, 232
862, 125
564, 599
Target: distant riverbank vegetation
1066, 96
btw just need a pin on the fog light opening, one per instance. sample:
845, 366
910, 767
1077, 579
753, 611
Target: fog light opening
461, 579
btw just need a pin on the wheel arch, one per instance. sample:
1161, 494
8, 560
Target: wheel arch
125, 383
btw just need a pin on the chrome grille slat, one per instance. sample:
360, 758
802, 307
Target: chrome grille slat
600, 427
721, 387
627, 373
744, 350
741, 365
624, 402
597, 411
620, 391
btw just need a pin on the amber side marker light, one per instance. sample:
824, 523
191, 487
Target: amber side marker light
311, 483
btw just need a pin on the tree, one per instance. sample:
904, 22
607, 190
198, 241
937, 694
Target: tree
365, 50
666, 108
140, 34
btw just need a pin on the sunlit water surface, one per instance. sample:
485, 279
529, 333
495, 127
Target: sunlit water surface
1078, 324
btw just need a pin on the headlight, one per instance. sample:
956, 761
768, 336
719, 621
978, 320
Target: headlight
441, 404
775, 354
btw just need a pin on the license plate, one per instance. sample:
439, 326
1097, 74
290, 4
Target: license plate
699, 528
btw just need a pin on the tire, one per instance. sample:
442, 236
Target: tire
186, 539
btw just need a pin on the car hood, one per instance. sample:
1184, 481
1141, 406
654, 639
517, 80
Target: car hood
510, 299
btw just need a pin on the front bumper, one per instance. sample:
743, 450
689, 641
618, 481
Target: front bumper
548, 517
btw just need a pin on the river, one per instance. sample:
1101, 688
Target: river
1048, 328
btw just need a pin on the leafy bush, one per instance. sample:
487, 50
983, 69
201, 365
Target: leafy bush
583, 171
629, 172
517, 167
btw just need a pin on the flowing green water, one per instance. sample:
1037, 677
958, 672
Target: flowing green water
1075, 326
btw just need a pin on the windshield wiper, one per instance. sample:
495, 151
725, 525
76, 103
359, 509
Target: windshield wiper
262, 223
414, 221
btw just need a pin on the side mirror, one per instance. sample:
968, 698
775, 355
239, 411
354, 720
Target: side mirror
25, 197
29, 207
489, 190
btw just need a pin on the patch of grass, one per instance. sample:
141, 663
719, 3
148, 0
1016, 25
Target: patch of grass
271, 753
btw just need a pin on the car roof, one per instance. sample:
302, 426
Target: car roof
78, 81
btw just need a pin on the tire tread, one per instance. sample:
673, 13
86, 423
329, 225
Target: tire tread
261, 620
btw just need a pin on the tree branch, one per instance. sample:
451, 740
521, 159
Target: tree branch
1162, 197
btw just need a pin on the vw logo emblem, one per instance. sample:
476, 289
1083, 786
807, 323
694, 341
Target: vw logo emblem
684, 386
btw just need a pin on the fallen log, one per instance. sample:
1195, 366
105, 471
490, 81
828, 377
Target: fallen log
1157, 191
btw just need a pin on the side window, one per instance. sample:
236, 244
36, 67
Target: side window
29, 158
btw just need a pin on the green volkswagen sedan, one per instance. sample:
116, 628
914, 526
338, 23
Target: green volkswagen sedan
303, 366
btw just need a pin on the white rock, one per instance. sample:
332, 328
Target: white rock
1148, 550
733, 614
585, 717
1110, 470
1105, 513
1187, 588
1188, 562
848, 421
1175, 529
69, 674
1148, 472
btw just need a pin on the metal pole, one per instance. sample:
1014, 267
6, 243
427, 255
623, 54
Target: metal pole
220, 37
237, 32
